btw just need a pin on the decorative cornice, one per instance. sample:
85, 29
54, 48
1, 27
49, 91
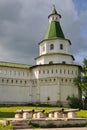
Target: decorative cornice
55, 54
54, 39
43, 65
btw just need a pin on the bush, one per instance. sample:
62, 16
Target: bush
74, 102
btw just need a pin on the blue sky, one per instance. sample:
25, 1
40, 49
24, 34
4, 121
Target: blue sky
80, 5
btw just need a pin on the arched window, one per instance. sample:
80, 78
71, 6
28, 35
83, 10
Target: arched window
51, 47
61, 46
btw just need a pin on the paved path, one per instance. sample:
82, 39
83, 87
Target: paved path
56, 129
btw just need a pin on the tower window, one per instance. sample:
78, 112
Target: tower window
53, 18
43, 48
61, 46
51, 47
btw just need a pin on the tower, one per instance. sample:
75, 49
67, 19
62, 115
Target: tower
54, 48
55, 70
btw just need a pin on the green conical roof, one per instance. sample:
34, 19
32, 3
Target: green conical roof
54, 11
54, 31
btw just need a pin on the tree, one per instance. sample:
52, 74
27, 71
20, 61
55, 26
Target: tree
81, 82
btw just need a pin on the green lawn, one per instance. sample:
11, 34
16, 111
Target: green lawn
7, 112
3, 127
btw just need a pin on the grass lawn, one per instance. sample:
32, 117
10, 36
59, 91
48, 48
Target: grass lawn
3, 127
9, 111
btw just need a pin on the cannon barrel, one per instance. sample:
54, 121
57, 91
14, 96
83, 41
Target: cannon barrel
59, 110
71, 110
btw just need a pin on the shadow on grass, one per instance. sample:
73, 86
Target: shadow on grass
7, 114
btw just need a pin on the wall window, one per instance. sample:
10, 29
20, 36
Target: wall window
16, 81
56, 71
65, 80
51, 62
63, 62
45, 80
54, 79
68, 71
72, 71
7, 80
11, 81
20, 81
61, 46
49, 79
51, 47
62, 80
25, 82
2, 80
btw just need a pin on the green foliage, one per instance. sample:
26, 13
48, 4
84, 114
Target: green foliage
81, 82
85, 62
4, 127
74, 102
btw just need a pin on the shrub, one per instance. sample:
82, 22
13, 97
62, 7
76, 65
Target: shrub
74, 102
